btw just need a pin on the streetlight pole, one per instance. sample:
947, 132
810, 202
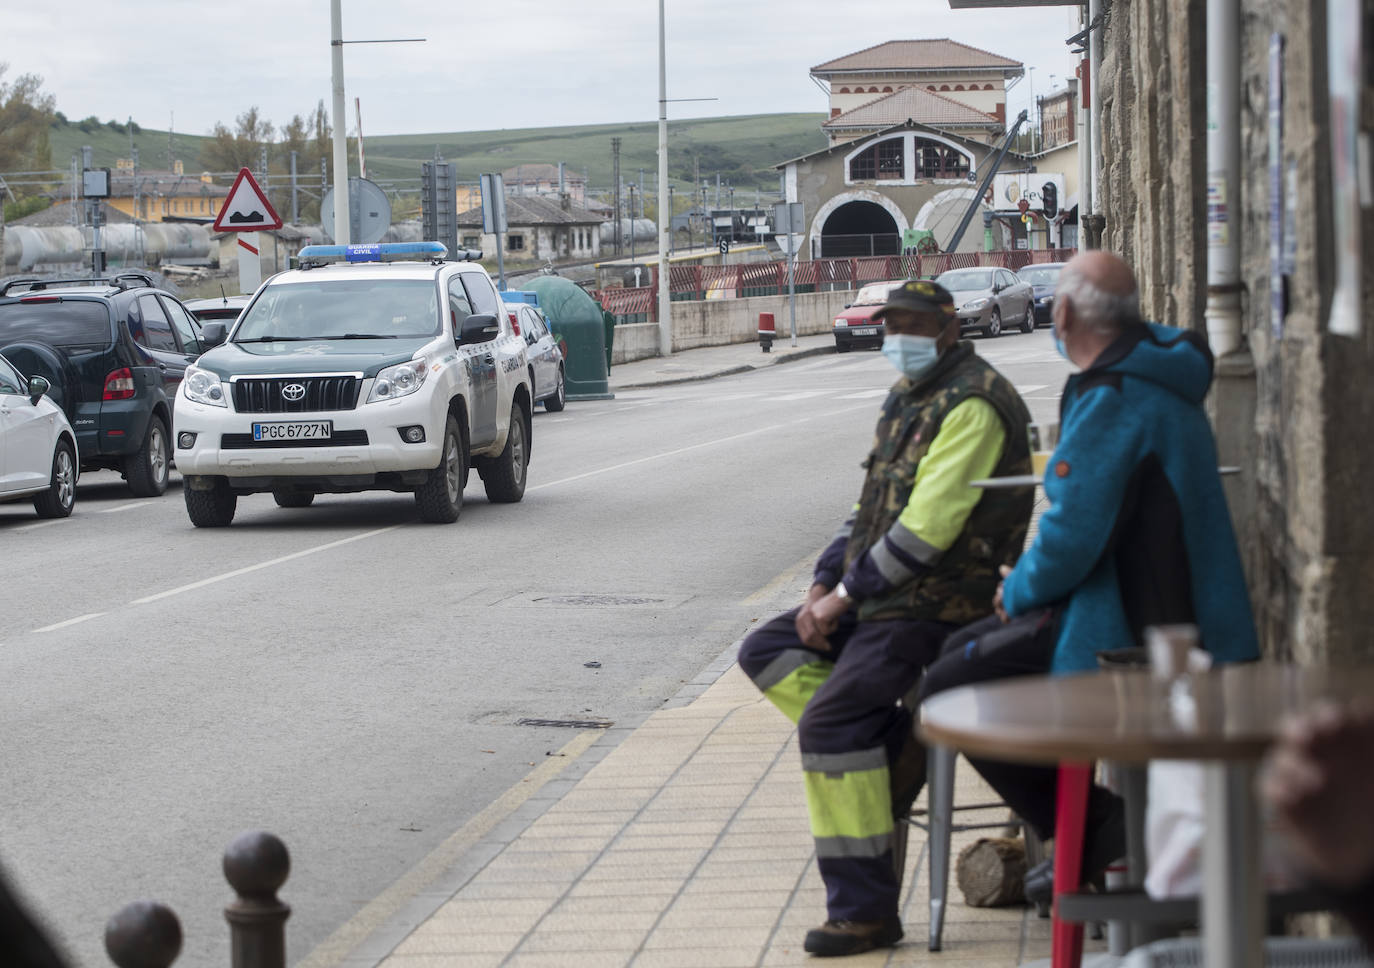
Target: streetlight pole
665, 323
336, 42
341, 226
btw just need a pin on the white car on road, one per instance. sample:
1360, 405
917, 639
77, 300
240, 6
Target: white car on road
37, 447
369, 367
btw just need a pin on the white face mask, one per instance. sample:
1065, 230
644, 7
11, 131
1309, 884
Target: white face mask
913, 356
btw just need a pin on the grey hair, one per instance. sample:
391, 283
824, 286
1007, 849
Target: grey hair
1101, 310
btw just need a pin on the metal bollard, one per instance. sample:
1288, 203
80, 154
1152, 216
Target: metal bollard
143, 934
256, 864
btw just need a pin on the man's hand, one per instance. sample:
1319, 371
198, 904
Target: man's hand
818, 619
1318, 782
997, 595
816, 592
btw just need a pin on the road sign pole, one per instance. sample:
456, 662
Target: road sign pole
250, 262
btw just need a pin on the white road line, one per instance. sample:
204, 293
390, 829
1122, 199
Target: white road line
865, 394
35, 527
264, 564
802, 395
70, 621
126, 507
1030, 389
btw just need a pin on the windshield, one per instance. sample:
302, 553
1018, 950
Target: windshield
1040, 275
873, 294
334, 308
70, 322
965, 281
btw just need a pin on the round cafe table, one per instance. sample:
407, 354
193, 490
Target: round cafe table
1226, 718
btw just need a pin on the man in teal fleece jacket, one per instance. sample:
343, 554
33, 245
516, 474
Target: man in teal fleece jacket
1137, 532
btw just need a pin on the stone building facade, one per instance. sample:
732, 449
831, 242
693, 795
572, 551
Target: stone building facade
1294, 406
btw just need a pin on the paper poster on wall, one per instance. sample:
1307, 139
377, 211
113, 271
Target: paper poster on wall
1343, 81
1278, 301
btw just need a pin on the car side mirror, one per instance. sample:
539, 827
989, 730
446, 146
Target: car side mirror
213, 334
479, 328
847, 305
996, 287
38, 386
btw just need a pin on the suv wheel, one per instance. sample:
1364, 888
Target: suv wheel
287, 498
213, 508
147, 470
58, 499
559, 399
440, 498
503, 476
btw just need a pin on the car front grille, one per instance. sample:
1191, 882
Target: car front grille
341, 438
313, 394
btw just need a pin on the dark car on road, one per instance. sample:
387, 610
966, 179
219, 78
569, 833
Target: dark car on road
1043, 277
224, 309
114, 351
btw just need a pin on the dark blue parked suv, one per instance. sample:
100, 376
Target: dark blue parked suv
114, 351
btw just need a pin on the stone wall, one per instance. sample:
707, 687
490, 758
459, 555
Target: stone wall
717, 322
1294, 408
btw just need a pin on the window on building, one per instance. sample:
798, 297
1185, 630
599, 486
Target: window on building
934, 160
873, 90
887, 89
881, 161
958, 87
844, 90
944, 87
472, 241
988, 87
515, 243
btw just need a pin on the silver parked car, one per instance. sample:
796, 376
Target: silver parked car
546, 359
987, 298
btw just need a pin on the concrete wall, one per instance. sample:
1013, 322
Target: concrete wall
1293, 408
716, 322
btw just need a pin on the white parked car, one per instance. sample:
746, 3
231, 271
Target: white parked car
37, 447
546, 359
370, 367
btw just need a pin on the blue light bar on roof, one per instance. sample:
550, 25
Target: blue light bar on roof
374, 252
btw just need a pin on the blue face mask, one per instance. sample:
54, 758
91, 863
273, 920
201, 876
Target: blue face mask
913, 356
1059, 344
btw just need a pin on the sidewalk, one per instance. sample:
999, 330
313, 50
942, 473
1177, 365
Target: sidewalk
712, 361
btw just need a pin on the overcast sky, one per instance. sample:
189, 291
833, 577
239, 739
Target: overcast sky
484, 65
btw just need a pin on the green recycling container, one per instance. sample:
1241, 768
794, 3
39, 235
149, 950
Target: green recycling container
577, 323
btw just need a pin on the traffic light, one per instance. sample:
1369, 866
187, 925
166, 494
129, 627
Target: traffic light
1049, 200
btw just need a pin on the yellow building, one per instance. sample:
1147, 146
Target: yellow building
156, 196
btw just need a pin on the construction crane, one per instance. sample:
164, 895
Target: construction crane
953, 244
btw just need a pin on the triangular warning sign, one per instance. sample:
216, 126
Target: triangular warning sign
246, 208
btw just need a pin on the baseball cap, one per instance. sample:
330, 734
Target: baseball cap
918, 295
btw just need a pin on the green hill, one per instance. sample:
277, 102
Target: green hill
743, 150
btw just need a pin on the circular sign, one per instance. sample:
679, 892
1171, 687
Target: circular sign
369, 211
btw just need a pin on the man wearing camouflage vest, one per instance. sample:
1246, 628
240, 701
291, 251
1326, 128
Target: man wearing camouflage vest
918, 557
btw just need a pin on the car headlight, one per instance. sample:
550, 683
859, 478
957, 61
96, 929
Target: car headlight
1044, 300
400, 380
841, 322
979, 303
202, 386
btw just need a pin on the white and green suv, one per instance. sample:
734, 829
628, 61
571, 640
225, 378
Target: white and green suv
369, 367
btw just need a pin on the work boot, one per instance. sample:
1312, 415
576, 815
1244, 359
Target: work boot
836, 938
906, 775
1105, 842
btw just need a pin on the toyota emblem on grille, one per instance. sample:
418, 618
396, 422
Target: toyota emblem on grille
293, 392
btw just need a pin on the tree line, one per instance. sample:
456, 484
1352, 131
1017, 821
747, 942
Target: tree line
28, 114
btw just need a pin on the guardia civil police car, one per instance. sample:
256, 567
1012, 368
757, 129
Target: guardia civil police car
368, 367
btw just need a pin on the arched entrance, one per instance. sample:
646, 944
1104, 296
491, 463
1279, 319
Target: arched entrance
859, 228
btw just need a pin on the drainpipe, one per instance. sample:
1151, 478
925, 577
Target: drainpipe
1223, 176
